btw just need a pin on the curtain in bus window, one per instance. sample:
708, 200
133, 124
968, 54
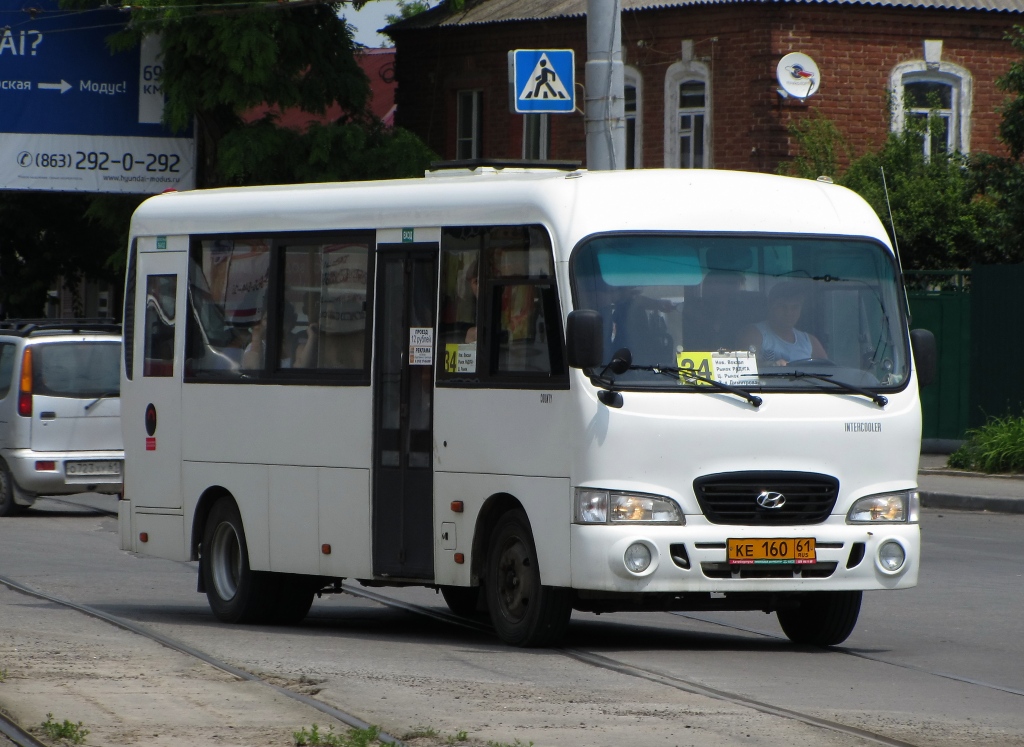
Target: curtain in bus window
457, 327
324, 320
228, 294
161, 291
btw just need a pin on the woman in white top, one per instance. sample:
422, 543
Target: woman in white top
776, 340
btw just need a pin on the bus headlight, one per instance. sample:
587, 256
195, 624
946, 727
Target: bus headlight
615, 507
903, 506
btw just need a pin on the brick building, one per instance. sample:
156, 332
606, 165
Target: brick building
701, 87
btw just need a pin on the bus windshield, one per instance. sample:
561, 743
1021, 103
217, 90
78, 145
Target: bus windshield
764, 312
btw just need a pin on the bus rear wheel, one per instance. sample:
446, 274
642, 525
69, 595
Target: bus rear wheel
522, 610
237, 594
823, 618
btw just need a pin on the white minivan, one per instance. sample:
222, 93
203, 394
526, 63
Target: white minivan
60, 410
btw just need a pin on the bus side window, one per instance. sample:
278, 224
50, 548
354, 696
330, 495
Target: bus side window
161, 291
323, 321
499, 315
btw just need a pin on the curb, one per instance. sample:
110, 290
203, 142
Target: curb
972, 502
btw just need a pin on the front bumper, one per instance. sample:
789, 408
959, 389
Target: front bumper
597, 558
32, 482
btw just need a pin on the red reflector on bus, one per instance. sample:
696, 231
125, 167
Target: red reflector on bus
46, 466
457, 507
143, 536
325, 549
460, 558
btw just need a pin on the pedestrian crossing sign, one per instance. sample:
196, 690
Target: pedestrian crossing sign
542, 81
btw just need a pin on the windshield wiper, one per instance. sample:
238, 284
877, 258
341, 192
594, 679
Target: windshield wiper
622, 361
691, 373
842, 386
105, 395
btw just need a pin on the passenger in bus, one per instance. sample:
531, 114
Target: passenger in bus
777, 341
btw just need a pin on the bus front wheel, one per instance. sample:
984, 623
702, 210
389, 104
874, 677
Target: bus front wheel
823, 618
237, 594
523, 612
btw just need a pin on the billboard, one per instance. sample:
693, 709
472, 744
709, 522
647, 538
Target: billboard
76, 117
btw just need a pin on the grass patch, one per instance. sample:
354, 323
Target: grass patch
420, 732
460, 736
3, 674
997, 446
353, 738
67, 731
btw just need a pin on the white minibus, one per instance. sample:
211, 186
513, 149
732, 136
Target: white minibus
536, 390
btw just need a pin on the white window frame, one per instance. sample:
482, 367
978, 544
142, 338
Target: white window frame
543, 123
634, 79
678, 73
946, 73
472, 139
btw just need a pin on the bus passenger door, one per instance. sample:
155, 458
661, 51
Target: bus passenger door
403, 388
151, 405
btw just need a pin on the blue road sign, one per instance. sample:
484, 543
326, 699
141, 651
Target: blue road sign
543, 81
65, 98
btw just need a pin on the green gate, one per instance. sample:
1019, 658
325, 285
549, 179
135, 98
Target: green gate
940, 301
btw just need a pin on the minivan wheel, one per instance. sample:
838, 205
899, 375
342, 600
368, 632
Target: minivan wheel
8, 507
237, 594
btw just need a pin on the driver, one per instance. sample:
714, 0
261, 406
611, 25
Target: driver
776, 340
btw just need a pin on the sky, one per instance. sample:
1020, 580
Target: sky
369, 19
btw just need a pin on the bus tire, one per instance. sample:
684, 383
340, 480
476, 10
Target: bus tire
461, 600
823, 618
8, 506
236, 593
523, 612
292, 598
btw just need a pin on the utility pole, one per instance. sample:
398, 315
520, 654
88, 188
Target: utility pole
605, 81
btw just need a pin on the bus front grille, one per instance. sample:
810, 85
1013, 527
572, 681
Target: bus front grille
766, 498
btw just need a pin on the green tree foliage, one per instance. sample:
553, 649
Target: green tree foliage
948, 211
43, 236
821, 148
223, 58
407, 9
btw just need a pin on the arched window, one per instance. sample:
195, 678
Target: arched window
634, 118
688, 115
939, 96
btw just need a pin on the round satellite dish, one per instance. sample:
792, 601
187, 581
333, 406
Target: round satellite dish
798, 75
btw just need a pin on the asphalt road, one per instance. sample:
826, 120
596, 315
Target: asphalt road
941, 664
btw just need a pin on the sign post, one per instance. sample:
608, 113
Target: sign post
75, 117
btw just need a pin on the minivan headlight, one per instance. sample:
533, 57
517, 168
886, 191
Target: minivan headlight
616, 507
902, 506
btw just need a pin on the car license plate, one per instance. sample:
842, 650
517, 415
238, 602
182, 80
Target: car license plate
791, 550
110, 468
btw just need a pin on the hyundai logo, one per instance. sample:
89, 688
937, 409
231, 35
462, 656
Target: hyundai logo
770, 499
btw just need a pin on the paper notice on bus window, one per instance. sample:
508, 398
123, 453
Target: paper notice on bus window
421, 346
460, 358
738, 367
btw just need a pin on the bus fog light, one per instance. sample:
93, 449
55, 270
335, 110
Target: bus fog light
637, 557
891, 556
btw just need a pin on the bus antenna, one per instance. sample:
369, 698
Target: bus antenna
892, 225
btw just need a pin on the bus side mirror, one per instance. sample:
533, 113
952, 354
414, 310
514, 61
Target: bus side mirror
584, 338
926, 355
